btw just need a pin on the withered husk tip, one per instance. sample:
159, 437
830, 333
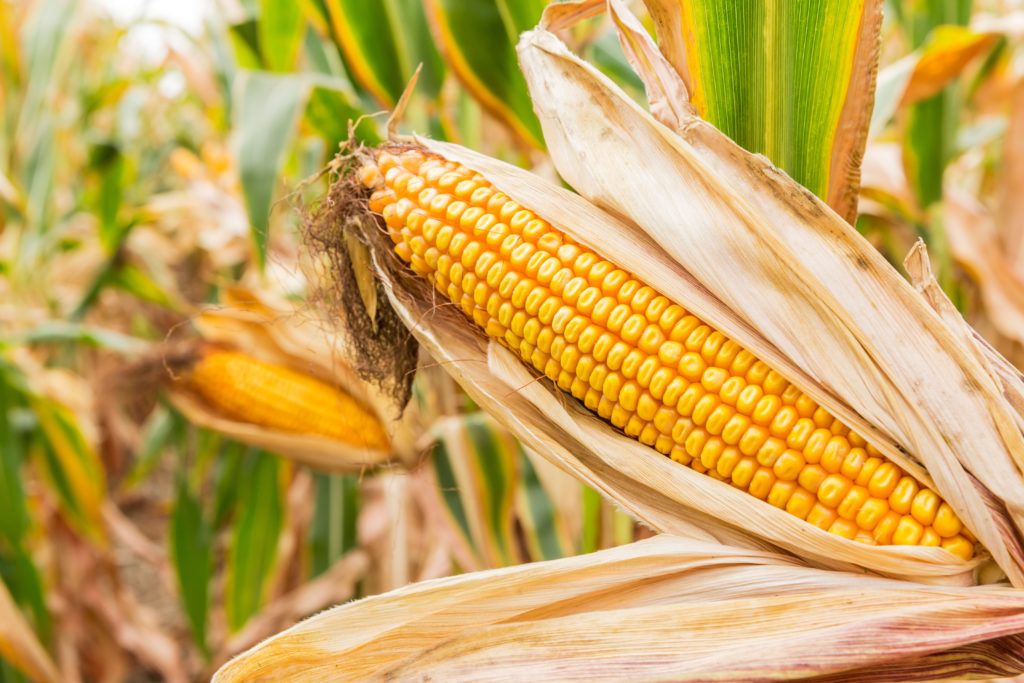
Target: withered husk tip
381, 350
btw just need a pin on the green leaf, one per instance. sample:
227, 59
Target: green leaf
268, 107
22, 577
254, 537
137, 282
329, 112
157, 436
790, 79
540, 516
606, 54
929, 140
475, 462
478, 40
383, 42
281, 27
108, 162
228, 466
61, 332
192, 553
333, 531
592, 510
14, 519
72, 466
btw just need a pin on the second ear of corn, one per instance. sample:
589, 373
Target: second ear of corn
276, 397
641, 361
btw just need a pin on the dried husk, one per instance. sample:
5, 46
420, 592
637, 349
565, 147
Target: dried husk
297, 338
827, 303
667, 608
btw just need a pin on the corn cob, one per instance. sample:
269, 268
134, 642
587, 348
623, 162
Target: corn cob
248, 390
641, 361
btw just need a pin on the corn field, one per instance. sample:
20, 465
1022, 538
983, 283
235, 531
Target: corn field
507, 340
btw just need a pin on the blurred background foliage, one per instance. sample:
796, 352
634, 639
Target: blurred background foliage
145, 170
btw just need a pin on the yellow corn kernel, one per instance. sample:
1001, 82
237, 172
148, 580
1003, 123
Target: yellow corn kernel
925, 506
871, 512
959, 546
781, 492
946, 523
821, 516
761, 483
853, 502
844, 528
886, 526
800, 503
908, 531
902, 497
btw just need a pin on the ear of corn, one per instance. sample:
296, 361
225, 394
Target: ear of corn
642, 362
249, 390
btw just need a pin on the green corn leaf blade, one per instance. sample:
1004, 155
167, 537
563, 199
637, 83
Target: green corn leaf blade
137, 282
245, 43
72, 466
258, 524
421, 48
267, 110
14, 518
8, 674
606, 54
226, 476
22, 577
192, 554
20, 638
157, 437
281, 27
449, 487
333, 531
383, 43
478, 41
365, 35
592, 511
108, 164
786, 78
476, 470
62, 332
544, 532
929, 140
322, 57
329, 112
315, 12
42, 39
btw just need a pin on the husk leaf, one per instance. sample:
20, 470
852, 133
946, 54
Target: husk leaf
784, 262
668, 608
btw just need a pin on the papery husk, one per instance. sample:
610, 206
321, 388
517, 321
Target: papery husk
667, 608
297, 338
832, 315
